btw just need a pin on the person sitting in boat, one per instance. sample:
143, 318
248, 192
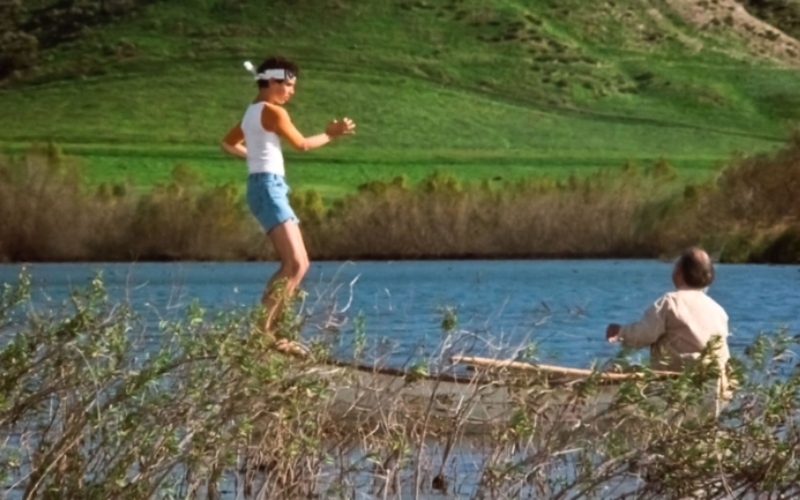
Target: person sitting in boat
680, 324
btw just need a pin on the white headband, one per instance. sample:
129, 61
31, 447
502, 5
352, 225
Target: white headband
278, 74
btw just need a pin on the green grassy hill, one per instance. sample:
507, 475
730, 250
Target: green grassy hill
484, 88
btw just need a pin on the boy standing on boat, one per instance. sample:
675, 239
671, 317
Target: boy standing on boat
257, 138
681, 323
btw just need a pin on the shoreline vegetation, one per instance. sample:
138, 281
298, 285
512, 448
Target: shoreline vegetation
748, 211
97, 402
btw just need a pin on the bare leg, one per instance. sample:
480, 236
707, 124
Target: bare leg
288, 243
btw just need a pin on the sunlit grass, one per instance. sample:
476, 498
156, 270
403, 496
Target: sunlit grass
472, 87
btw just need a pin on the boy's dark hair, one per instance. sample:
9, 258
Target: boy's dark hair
276, 62
698, 272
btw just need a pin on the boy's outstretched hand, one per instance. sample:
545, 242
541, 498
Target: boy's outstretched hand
345, 126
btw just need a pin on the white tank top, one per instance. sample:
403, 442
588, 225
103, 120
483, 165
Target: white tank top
264, 153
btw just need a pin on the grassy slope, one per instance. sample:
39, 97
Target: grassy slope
484, 88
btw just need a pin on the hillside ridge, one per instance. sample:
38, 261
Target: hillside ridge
549, 86
761, 37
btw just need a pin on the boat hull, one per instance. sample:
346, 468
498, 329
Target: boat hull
479, 397
473, 403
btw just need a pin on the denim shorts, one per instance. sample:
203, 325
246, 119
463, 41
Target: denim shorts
268, 199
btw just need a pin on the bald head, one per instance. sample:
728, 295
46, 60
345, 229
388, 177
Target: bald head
695, 268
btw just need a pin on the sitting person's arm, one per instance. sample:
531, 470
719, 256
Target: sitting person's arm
644, 332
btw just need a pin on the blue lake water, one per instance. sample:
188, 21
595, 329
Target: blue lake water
562, 306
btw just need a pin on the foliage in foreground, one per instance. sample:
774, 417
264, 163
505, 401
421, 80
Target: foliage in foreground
98, 402
95, 402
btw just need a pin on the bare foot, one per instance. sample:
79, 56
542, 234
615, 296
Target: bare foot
292, 348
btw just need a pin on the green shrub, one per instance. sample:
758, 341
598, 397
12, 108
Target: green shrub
784, 249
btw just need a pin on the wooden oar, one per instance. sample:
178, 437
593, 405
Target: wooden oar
557, 370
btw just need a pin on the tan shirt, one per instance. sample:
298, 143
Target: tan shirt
677, 327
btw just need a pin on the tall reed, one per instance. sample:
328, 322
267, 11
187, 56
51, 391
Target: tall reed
599, 215
749, 211
47, 213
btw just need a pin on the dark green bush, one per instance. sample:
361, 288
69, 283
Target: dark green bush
18, 49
